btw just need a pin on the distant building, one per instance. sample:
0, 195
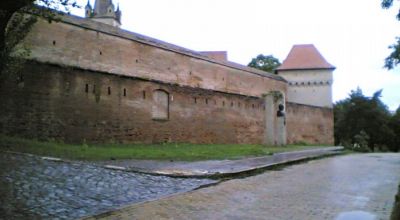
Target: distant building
309, 76
104, 12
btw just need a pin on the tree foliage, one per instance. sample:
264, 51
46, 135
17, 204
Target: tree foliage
266, 63
15, 25
359, 118
394, 58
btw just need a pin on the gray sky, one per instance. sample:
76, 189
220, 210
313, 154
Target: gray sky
353, 35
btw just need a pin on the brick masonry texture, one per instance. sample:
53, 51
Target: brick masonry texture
76, 105
87, 81
309, 124
73, 45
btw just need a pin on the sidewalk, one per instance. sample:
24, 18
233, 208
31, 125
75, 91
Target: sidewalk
217, 168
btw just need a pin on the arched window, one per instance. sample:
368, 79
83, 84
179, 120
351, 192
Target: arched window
160, 109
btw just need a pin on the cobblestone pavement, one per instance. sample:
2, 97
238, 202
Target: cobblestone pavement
359, 186
32, 188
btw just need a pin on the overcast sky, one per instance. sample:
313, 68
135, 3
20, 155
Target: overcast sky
353, 35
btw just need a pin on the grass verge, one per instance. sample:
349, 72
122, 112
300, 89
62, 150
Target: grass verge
170, 151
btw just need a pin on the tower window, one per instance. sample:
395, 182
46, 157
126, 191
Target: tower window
109, 90
124, 92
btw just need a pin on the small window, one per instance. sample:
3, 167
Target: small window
87, 88
144, 94
206, 101
54, 43
195, 100
223, 103
109, 90
160, 109
124, 92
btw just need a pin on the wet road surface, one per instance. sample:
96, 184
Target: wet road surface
32, 188
358, 186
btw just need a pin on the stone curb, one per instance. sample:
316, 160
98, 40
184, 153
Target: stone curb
310, 154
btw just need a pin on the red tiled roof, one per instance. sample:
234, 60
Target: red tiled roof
304, 56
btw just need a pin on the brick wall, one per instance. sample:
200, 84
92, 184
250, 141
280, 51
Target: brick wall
77, 105
90, 45
310, 124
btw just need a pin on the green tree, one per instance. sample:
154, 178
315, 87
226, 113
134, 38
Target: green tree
266, 63
14, 25
358, 116
394, 124
394, 58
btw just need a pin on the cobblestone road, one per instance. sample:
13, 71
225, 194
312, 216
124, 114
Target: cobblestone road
32, 188
360, 186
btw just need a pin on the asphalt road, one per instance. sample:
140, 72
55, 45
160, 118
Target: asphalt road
358, 186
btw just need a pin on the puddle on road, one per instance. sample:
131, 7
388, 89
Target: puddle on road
356, 215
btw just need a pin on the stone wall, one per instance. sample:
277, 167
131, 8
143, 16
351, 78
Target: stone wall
77, 105
85, 44
87, 81
309, 124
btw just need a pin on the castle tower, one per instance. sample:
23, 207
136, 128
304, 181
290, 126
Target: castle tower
104, 12
309, 75
88, 10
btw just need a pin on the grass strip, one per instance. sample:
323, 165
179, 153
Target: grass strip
167, 151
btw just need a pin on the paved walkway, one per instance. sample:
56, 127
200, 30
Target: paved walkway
217, 168
359, 186
33, 188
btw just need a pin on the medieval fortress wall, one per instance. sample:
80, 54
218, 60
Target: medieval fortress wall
87, 81
103, 48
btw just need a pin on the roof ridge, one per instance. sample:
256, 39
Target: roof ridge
305, 56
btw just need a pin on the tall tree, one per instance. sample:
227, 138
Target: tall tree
359, 114
266, 63
395, 126
14, 26
394, 58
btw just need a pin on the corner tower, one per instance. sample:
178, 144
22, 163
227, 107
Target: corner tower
104, 12
309, 76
